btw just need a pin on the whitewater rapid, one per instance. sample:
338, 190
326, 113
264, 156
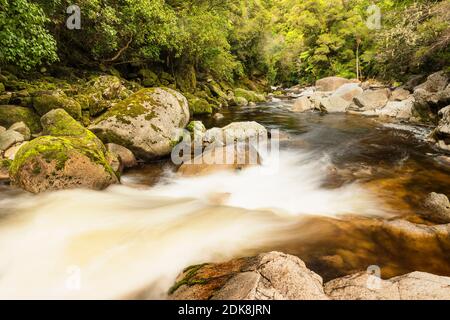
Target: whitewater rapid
126, 241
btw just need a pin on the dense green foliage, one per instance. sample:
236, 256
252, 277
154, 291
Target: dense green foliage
285, 41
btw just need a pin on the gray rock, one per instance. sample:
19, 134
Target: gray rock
22, 128
437, 208
148, 123
11, 152
435, 82
9, 138
331, 83
413, 286
302, 104
269, 276
372, 99
400, 94
402, 110
341, 99
125, 156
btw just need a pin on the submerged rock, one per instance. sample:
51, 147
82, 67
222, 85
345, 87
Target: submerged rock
68, 156
148, 123
269, 276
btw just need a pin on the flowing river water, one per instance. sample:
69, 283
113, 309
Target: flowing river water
338, 178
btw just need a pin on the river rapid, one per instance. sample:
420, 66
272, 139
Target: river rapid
336, 178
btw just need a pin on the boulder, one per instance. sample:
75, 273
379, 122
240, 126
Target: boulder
402, 110
232, 157
248, 95
125, 157
199, 106
2, 129
4, 169
149, 78
22, 128
331, 83
10, 154
372, 99
45, 102
103, 92
347, 92
429, 103
435, 82
400, 94
218, 116
442, 131
149, 122
302, 104
437, 208
9, 138
67, 156
414, 81
269, 276
413, 286
10, 114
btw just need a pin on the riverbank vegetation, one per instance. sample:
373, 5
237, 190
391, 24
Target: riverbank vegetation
278, 42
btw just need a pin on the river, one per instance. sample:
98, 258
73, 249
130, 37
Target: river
337, 178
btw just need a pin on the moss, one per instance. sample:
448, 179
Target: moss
189, 278
12, 114
131, 107
250, 96
149, 78
186, 78
47, 102
5, 163
200, 106
2, 87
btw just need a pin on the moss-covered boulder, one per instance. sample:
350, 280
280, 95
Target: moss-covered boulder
45, 102
10, 114
200, 106
149, 78
103, 92
250, 96
68, 156
2, 87
148, 122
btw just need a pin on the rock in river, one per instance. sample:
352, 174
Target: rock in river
67, 156
148, 122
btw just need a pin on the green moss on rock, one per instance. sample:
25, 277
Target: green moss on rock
46, 102
11, 114
250, 96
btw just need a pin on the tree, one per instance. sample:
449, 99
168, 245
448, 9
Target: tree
25, 41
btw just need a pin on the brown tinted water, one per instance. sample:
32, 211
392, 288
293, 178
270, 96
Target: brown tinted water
341, 180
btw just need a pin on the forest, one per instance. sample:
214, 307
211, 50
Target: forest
285, 42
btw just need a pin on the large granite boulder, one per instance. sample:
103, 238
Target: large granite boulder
149, 122
331, 83
269, 276
67, 156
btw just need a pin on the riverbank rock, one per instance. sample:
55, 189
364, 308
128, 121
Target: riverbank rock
250, 131
341, 99
67, 156
148, 122
10, 114
331, 83
22, 128
9, 138
249, 96
400, 94
47, 101
4, 169
441, 134
302, 104
413, 286
269, 276
402, 110
435, 82
125, 157
371, 99
437, 208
